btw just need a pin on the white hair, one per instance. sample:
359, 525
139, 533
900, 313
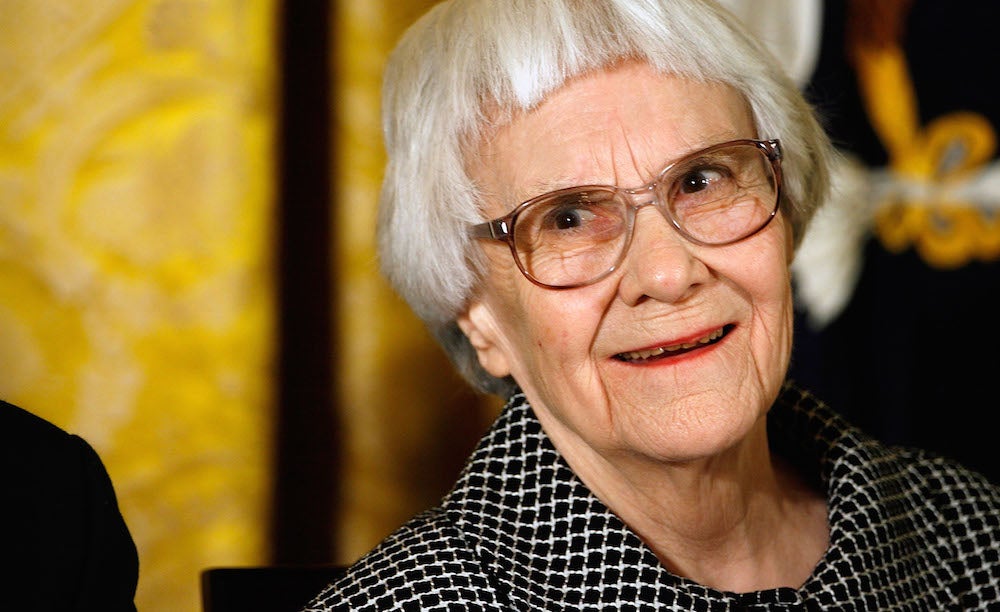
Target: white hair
468, 64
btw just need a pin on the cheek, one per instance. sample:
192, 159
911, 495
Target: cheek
764, 277
559, 327
549, 334
772, 302
766, 267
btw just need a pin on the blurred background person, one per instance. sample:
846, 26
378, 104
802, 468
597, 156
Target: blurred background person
67, 546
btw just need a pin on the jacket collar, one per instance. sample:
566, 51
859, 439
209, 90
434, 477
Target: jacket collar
547, 541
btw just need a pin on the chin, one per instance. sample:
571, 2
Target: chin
691, 432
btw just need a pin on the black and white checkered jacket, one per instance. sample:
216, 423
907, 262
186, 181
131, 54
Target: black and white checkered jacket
908, 531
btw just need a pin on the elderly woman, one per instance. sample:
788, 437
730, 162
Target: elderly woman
593, 204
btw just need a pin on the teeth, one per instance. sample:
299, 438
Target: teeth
639, 355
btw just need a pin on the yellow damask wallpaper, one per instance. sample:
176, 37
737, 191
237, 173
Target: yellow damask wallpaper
136, 301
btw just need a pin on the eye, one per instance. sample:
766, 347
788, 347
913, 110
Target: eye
569, 218
700, 179
575, 211
572, 215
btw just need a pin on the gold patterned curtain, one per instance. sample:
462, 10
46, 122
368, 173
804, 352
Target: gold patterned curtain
136, 301
139, 301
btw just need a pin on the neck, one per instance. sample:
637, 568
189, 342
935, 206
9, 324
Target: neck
740, 521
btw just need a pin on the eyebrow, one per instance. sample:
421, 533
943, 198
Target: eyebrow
546, 185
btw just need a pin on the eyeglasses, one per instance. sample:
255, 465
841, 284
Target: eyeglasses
576, 236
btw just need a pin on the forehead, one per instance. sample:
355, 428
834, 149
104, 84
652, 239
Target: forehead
619, 126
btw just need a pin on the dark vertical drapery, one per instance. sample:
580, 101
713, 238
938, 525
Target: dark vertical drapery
306, 429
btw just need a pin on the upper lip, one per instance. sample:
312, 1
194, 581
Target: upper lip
673, 345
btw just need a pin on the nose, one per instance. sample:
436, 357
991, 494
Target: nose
660, 264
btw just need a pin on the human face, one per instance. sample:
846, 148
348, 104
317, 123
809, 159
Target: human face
589, 359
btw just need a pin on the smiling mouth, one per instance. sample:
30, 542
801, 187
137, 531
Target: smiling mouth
673, 350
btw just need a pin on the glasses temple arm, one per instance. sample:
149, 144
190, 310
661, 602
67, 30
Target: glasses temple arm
496, 229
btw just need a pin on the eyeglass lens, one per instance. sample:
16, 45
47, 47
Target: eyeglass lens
574, 236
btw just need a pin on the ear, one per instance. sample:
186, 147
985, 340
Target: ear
481, 328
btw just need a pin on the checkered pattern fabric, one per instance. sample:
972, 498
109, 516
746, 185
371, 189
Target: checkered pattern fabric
909, 531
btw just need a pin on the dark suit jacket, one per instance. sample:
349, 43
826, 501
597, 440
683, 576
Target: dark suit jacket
63, 541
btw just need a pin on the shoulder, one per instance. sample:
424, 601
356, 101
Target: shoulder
22, 429
63, 520
963, 507
40, 456
947, 484
47, 464
424, 565
955, 494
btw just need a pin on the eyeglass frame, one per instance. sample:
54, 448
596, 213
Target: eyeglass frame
502, 228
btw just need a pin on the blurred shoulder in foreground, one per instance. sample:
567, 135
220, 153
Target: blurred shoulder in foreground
67, 545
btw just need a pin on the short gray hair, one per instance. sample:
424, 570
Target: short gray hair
468, 63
